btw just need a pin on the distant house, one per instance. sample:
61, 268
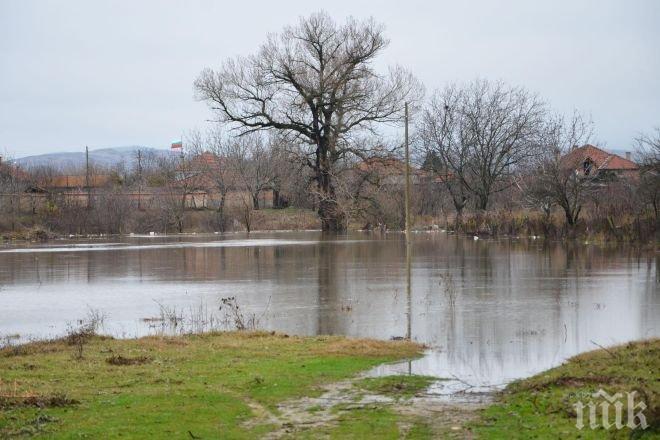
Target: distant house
388, 170
592, 162
73, 183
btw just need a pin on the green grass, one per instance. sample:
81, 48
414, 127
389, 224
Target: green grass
542, 406
206, 384
399, 386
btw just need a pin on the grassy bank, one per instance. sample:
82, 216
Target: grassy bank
542, 406
205, 386
244, 385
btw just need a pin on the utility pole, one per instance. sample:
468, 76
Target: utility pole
407, 195
139, 170
87, 176
408, 246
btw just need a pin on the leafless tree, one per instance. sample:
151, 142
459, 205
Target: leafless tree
12, 185
255, 163
648, 146
113, 211
315, 83
177, 185
550, 180
483, 132
218, 171
444, 140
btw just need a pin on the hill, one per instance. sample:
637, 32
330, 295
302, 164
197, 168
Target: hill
104, 157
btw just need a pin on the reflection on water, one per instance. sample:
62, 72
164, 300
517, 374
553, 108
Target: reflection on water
491, 311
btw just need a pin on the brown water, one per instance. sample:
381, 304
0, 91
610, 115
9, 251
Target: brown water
490, 310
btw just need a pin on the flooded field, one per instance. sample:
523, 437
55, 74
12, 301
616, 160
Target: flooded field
490, 310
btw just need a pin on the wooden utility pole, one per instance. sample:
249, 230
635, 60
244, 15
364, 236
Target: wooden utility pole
407, 195
408, 237
139, 170
87, 176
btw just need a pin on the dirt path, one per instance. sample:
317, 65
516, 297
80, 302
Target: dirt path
445, 415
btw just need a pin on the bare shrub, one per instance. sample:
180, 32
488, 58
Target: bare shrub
233, 314
79, 335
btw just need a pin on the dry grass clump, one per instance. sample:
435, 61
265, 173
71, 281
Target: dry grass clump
15, 394
48, 401
120, 360
35, 347
368, 347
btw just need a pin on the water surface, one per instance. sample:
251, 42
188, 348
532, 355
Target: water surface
490, 310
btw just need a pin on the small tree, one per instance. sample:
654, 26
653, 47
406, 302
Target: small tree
255, 164
11, 188
315, 84
177, 185
649, 158
217, 171
550, 180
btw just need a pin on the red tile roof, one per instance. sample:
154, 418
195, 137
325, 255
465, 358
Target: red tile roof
602, 159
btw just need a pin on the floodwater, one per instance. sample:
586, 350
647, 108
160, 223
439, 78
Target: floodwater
489, 310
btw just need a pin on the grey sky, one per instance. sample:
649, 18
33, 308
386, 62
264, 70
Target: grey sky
114, 73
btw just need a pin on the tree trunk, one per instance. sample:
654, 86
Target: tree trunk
332, 216
482, 204
571, 216
221, 213
458, 221
255, 201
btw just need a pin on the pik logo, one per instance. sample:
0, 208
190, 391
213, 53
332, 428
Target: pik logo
605, 406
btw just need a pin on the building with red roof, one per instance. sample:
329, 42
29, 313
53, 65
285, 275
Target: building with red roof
590, 161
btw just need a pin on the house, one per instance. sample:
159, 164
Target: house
589, 161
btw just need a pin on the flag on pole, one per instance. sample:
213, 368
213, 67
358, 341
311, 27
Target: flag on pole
177, 145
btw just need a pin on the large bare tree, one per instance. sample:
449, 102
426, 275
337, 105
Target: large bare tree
316, 84
483, 132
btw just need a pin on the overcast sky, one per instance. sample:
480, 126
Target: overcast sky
116, 73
